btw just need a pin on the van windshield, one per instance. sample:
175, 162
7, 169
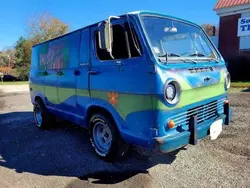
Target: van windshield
176, 40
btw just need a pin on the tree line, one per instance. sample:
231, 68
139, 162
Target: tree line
210, 29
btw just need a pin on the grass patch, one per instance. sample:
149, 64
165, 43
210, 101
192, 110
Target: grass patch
240, 84
14, 83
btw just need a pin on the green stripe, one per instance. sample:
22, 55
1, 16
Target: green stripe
192, 96
128, 103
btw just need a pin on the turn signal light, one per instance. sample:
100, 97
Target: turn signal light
171, 124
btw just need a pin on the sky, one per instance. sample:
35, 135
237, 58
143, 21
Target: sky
14, 14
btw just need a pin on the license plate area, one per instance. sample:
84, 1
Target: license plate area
216, 129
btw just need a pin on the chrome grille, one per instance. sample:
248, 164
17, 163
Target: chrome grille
201, 69
204, 113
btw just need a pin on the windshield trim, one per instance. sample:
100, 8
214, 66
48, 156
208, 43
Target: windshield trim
211, 45
198, 59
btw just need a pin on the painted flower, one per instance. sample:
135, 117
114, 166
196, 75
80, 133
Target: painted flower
113, 98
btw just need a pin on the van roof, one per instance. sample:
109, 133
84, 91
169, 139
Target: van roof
131, 13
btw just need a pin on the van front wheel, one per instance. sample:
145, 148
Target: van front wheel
104, 137
42, 117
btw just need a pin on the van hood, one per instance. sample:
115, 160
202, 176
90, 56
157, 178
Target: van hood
195, 77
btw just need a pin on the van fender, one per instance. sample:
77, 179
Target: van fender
38, 94
100, 103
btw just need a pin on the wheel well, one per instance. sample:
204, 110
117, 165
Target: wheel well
38, 98
96, 109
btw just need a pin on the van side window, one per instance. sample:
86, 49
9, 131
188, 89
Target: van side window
119, 49
133, 40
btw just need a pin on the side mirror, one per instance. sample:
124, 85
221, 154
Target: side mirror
105, 36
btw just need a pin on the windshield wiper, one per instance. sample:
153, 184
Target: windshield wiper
170, 55
197, 55
213, 59
188, 59
185, 60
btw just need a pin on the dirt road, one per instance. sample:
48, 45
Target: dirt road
62, 156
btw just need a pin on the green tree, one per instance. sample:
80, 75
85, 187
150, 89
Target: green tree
4, 60
22, 57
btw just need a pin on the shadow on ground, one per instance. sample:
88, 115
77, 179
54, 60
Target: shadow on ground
246, 90
65, 151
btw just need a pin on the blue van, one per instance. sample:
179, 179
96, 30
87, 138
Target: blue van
143, 79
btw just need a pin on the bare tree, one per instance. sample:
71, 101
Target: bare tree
38, 29
4, 60
7, 57
44, 27
10, 51
210, 29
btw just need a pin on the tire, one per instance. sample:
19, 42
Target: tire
43, 118
105, 138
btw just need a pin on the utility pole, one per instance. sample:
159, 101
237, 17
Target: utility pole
9, 59
1, 76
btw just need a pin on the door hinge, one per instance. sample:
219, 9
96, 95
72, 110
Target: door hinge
151, 69
154, 132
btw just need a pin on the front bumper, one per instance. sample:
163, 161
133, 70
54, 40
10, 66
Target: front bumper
170, 143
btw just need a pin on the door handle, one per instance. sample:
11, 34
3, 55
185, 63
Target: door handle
59, 73
45, 73
77, 72
93, 72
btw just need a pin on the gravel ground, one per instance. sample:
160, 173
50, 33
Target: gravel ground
62, 156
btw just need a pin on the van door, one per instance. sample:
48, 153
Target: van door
124, 83
66, 75
51, 87
82, 81
50, 74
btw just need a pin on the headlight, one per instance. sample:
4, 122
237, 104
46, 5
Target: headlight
172, 92
227, 81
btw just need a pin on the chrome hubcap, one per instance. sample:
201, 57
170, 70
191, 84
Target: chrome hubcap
102, 138
38, 115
